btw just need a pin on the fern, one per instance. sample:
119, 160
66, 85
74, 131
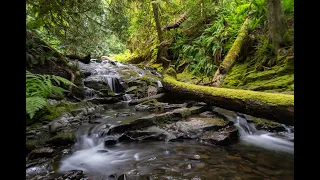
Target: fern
39, 88
33, 104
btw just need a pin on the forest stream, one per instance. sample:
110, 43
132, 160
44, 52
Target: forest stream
174, 150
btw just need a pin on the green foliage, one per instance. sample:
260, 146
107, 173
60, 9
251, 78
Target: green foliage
39, 88
205, 52
79, 27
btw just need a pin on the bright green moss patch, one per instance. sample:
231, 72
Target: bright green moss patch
279, 78
272, 99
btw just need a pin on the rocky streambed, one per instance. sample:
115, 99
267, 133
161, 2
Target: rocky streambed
107, 137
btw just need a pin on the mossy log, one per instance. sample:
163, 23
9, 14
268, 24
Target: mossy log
133, 102
232, 55
273, 106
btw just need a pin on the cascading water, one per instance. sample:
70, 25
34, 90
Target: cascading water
175, 160
264, 139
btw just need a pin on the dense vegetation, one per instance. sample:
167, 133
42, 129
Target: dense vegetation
196, 36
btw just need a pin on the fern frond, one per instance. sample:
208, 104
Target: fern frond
33, 104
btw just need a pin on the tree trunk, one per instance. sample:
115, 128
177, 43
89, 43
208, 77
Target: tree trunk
162, 55
232, 55
273, 106
156, 18
276, 22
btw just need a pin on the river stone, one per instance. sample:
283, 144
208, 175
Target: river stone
59, 124
132, 89
72, 175
108, 141
207, 114
96, 83
123, 114
225, 136
41, 152
151, 134
104, 100
157, 119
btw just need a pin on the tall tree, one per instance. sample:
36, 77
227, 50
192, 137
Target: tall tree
162, 49
276, 22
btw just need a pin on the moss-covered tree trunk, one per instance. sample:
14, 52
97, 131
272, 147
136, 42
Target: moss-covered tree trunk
276, 22
232, 55
273, 106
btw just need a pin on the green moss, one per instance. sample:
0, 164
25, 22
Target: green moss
159, 67
129, 120
233, 53
32, 144
271, 99
51, 112
260, 122
147, 80
64, 135
171, 72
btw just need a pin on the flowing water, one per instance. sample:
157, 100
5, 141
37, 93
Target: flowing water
258, 155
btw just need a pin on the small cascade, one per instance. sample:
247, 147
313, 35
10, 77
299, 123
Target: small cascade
250, 134
114, 84
159, 84
127, 97
89, 92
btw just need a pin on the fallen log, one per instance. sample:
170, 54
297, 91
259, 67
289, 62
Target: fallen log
138, 101
274, 106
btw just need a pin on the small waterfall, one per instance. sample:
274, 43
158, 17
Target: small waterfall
159, 84
250, 134
114, 84
127, 97
88, 92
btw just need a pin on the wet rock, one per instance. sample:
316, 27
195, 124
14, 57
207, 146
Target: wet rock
109, 141
104, 100
102, 151
132, 89
72, 175
123, 114
207, 114
225, 136
62, 138
122, 177
41, 152
60, 123
157, 119
264, 124
151, 134
137, 83
96, 83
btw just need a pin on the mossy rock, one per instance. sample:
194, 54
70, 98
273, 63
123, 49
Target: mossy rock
265, 124
62, 138
132, 89
171, 72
